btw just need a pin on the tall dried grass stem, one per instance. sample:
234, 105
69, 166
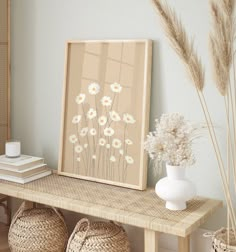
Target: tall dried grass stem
228, 7
219, 72
177, 37
231, 141
221, 46
219, 159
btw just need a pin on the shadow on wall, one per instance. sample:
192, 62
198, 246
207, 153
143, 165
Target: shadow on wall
23, 92
156, 105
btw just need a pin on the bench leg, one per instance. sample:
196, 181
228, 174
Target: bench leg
184, 244
151, 240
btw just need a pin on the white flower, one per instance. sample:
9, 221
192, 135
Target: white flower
73, 139
109, 131
128, 118
114, 116
92, 113
112, 159
94, 88
78, 148
102, 141
116, 87
102, 120
106, 101
116, 143
80, 98
86, 146
78, 159
76, 119
128, 141
171, 141
84, 131
121, 152
93, 132
108, 146
129, 160
94, 157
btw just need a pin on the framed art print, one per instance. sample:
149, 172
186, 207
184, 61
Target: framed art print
105, 115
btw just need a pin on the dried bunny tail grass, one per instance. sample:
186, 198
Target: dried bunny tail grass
221, 46
196, 72
219, 73
228, 7
174, 30
222, 33
179, 41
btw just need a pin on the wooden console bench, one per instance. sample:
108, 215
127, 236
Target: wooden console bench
137, 208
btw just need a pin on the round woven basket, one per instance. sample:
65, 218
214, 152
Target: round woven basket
37, 230
97, 237
223, 240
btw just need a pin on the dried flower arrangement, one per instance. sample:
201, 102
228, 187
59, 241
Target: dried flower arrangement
222, 53
171, 141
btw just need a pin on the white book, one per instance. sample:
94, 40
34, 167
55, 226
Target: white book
28, 172
22, 162
25, 180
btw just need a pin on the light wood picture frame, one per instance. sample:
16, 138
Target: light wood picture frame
4, 73
105, 111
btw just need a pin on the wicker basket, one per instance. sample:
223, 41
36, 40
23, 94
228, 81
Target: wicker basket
221, 238
37, 230
98, 237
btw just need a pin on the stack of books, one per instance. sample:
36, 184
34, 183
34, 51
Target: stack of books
23, 169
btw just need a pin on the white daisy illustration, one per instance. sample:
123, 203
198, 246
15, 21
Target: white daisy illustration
116, 143
129, 160
112, 159
102, 120
78, 159
116, 87
108, 146
109, 131
93, 132
128, 118
128, 141
121, 152
92, 113
86, 146
76, 119
73, 139
114, 116
102, 141
94, 88
94, 157
80, 98
78, 148
106, 101
83, 131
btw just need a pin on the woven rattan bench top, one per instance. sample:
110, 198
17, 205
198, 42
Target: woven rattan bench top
138, 208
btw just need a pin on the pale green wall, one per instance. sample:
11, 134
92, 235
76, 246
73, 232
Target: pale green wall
40, 29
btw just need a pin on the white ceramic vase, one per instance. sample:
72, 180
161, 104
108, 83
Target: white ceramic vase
175, 189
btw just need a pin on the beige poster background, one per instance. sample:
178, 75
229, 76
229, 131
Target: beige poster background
106, 111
